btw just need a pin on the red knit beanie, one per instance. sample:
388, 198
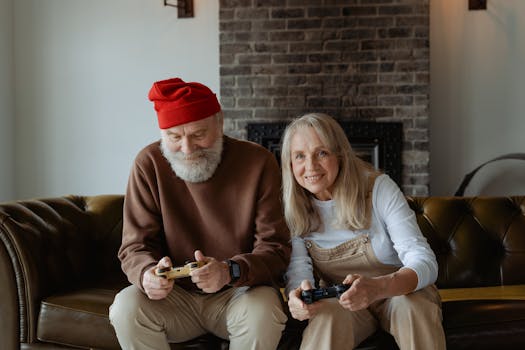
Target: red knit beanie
178, 102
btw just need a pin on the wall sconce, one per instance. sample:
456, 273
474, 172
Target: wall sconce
184, 7
477, 4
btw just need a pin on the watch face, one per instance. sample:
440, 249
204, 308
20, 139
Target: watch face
235, 270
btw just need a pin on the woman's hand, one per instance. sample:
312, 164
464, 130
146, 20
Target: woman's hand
366, 290
157, 287
298, 309
363, 292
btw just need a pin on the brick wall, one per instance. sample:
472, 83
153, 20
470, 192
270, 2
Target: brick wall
353, 59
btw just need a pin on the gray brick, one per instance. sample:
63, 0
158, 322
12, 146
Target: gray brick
400, 32
287, 36
325, 11
289, 80
227, 82
271, 47
304, 69
376, 22
355, 34
288, 101
234, 26
254, 59
268, 25
251, 36
304, 23
237, 113
253, 81
325, 57
378, 45
234, 70
304, 90
253, 102
287, 13
360, 11
268, 3
235, 48
289, 58
251, 14
227, 102
227, 59
269, 69
316, 102
304, 2
234, 3
344, 22
270, 91
306, 47
374, 112
395, 100
337, 68
396, 10
341, 45
413, 21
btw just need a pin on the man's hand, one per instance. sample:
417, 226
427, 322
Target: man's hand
299, 310
212, 276
157, 287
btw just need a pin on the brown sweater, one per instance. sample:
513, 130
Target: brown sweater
236, 214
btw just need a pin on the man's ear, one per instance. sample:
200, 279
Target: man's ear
219, 117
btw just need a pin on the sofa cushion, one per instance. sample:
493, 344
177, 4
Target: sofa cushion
484, 324
79, 319
473, 313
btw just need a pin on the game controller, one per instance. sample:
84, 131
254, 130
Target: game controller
313, 295
179, 272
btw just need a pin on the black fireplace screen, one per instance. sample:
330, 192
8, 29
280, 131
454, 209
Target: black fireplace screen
379, 143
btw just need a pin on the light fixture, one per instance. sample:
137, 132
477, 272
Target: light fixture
477, 4
184, 7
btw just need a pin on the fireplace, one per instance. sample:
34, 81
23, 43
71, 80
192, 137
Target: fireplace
379, 143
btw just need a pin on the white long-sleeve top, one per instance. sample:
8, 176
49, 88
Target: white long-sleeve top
395, 237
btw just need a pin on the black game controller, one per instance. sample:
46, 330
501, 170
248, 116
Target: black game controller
313, 295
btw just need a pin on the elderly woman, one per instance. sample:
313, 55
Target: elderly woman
352, 225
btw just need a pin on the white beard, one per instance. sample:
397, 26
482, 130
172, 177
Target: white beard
198, 167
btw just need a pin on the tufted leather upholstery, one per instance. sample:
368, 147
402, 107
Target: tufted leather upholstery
59, 272
477, 241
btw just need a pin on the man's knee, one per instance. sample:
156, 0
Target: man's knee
125, 306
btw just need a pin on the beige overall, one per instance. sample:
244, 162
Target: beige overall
413, 319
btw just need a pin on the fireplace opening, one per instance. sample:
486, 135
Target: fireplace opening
379, 143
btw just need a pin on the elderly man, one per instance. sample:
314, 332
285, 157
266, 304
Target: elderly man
200, 195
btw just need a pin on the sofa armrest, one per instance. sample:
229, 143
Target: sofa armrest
9, 325
512, 292
50, 246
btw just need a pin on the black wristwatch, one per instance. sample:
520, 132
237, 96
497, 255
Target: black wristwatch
235, 271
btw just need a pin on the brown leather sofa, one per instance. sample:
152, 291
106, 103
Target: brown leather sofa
59, 273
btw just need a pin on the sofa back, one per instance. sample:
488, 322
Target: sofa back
478, 241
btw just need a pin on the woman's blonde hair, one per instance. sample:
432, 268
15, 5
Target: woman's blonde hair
350, 188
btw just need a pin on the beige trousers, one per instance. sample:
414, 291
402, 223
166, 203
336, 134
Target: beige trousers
251, 318
413, 319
